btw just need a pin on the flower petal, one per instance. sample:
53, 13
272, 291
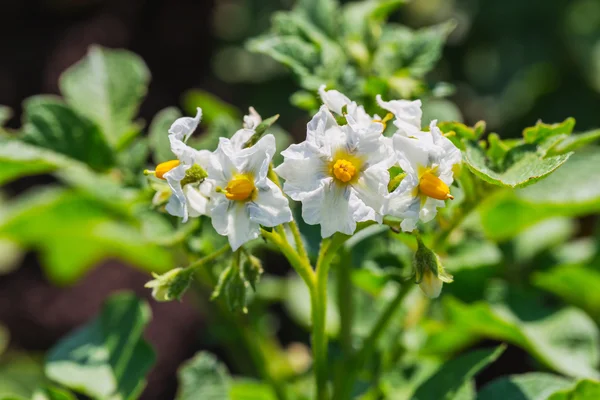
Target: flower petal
333, 99
256, 159
182, 128
270, 208
197, 201
371, 189
177, 205
252, 120
408, 114
239, 139
302, 170
231, 219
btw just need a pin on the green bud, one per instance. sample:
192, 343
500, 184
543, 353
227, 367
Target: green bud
429, 272
233, 288
252, 270
194, 174
170, 285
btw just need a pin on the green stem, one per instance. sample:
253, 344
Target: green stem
211, 257
345, 303
303, 268
298, 239
327, 252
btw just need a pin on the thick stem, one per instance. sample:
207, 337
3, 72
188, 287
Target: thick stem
303, 268
345, 303
298, 239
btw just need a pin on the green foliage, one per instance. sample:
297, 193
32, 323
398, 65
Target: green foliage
107, 86
20, 375
158, 134
532, 386
453, 375
53, 393
212, 106
51, 124
565, 340
61, 222
203, 377
583, 390
106, 358
573, 190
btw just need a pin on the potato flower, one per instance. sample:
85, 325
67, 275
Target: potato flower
245, 197
427, 159
186, 174
339, 173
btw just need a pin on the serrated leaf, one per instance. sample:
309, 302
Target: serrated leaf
51, 124
541, 131
450, 378
158, 134
73, 233
572, 190
107, 86
532, 386
106, 358
583, 390
324, 14
203, 377
523, 165
574, 142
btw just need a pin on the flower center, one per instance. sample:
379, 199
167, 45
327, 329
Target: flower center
385, 120
432, 186
344, 170
240, 188
163, 168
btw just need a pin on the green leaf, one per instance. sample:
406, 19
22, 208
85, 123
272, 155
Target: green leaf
416, 52
324, 14
159, 134
106, 358
20, 374
51, 124
357, 15
203, 377
574, 142
107, 86
19, 159
73, 233
532, 386
572, 190
261, 129
53, 393
583, 390
446, 382
212, 106
575, 284
540, 132
246, 389
523, 165
565, 339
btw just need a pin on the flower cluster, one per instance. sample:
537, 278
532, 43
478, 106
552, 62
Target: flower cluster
340, 173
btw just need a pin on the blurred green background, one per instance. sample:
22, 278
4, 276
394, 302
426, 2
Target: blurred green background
512, 62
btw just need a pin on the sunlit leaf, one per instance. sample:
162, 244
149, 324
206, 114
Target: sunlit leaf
246, 389
212, 106
203, 377
73, 233
523, 165
107, 86
358, 14
51, 124
322, 13
106, 358
542, 131
53, 393
584, 390
574, 142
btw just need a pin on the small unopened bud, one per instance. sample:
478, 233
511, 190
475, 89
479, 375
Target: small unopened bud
429, 272
170, 285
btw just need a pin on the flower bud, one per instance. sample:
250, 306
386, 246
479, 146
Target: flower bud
170, 285
429, 272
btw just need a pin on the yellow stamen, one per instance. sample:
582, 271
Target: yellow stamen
344, 170
240, 188
163, 168
385, 119
432, 186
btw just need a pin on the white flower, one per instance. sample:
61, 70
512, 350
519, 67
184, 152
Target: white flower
341, 105
189, 189
408, 114
252, 120
427, 159
245, 198
340, 173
